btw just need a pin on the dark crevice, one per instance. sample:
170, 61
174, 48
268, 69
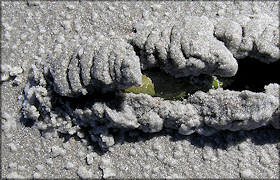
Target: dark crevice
114, 69
137, 50
183, 53
92, 66
243, 32
80, 70
147, 39
86, 100
111, 68
134, 30
169, 44
253, 75
67, 73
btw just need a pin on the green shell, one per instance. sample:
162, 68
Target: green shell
146, 88
216, 83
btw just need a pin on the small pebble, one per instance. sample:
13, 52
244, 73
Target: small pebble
16, 71
156, 7
160, 156
147, 167
23, 36
106, 166
69, 165
21, 168
70, 6
78, 26
108, 140
146, 15
90, 157
111, 8
84, 173
42, 29
13, 147
66, 24
80, 134
39, 167
36, 175
221, 12
132, 152
178, 154
146, 175
13, 165
7, 26
157, 146
66, 146
37, 150
14, 175
94, 16
33, 3
265, 159
155, 170
81, 154
57, 151
60, 38
246, 173
150, 153
5, 76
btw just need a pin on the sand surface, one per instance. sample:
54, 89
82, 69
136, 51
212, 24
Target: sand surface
33, 30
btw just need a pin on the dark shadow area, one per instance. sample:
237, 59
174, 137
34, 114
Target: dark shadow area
220, 140
112, 99
226, 138
27, 122
253, 75
94, 145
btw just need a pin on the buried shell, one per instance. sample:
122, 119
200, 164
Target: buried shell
162, 85
147, 87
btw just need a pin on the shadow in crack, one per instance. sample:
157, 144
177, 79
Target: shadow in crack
220, 140
253, 75
27, 122
225, 139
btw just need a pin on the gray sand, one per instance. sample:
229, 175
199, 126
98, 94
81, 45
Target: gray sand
214, 134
